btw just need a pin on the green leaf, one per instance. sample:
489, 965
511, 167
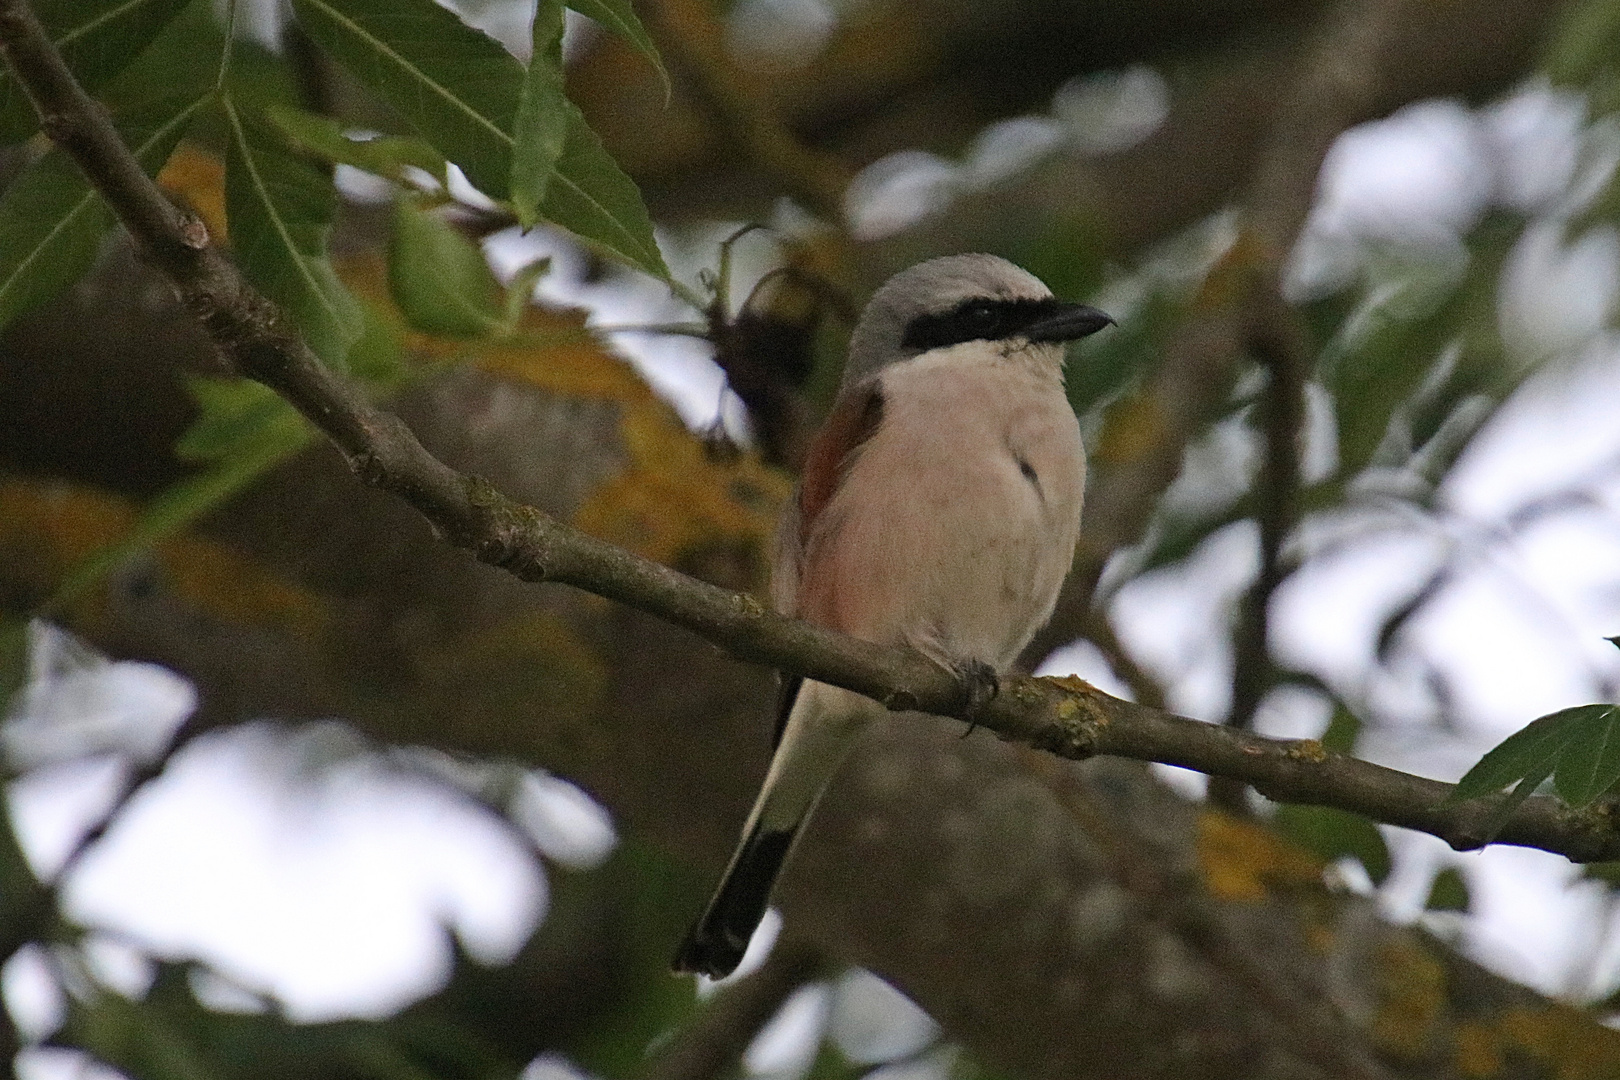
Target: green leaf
1423, 341
97, 38
1342, 731
1590, 763
1333, 834
1449, 891
592, 197
619, 17
1606, 872
439, 278
614, 1041
1579, 748
242, 430
541, 125
1102, 368
520, 291
459, 88
280, 210
1583, 42
387, 156
183, 63
52, 222
454, 84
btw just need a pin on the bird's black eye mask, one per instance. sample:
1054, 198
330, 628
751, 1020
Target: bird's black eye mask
977, 320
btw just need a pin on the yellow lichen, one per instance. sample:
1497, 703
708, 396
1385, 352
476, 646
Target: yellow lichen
49, 529
1478, 1052
1572, 1044
1241, 861
1307, 750
1411, 985
198, 177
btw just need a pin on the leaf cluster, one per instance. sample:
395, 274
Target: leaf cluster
168, 71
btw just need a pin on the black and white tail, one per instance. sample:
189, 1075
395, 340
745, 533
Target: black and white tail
716, 943
822, 725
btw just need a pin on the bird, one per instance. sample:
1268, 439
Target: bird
938, 508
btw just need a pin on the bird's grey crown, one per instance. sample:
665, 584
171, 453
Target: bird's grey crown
933, 288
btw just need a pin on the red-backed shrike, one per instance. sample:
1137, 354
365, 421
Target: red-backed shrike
939, 509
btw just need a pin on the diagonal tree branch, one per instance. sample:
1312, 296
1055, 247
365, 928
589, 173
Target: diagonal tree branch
1067, 717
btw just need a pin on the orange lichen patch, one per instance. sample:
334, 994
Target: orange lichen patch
673, 498
1478, 1051
1072, 683
219, 581
549, 348
47, 530
1411, 987
674, 495
1242, 862
1572, 1044
198, 177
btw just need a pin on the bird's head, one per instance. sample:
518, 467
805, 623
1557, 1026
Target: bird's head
962, 298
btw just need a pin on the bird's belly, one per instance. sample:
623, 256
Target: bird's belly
964, 559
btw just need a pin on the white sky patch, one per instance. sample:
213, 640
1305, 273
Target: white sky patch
331, 892
788, 1043
49, 1063
53, 807
32, 994
871, 1021
565, 823
78, 703
1172, 619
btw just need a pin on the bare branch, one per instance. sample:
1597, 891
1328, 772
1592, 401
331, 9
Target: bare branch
1067, 717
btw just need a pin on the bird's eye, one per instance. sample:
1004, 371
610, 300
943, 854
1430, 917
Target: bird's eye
979, 316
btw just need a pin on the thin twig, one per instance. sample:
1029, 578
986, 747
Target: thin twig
1065, 716
1280, 348
1340, 81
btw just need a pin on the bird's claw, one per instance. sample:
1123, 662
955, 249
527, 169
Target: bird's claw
980, 685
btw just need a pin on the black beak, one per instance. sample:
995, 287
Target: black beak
1067, 323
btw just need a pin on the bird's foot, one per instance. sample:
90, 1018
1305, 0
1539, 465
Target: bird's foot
980, 685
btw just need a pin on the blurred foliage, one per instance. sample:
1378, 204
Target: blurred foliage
1406, 350
1448, 891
